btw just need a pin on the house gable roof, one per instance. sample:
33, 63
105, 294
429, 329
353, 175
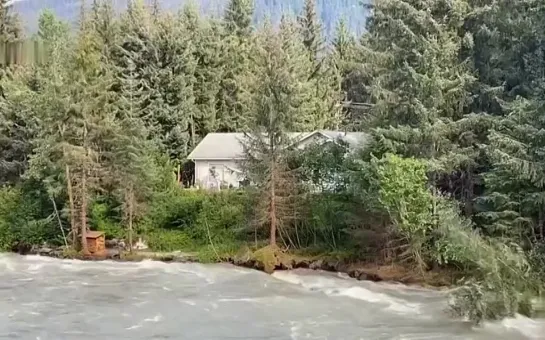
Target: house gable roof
226, 146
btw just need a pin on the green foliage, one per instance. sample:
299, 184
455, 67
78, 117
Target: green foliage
202, 216
404, 194
223, 251
169, 240
21, 221
103, 219
501, 281
398, 187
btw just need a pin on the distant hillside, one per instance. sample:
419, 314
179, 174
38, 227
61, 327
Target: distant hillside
330, 10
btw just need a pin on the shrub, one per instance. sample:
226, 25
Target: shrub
218, 252
399, 188
175, 208
169, 240
202, 215
222, 217
22, 220
501, 281
102, 218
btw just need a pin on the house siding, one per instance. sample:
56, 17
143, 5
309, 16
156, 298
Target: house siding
225, 176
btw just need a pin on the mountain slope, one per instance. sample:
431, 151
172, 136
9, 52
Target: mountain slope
330, 10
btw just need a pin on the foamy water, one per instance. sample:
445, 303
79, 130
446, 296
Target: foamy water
42, 298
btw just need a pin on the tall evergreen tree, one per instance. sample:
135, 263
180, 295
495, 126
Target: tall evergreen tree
350, 79
129, 163
311, 29
14, 125
76, 124
515, 198
206, 36
238, 17
278, 100
511, 89
324, 75
419, 85
236, 54
172, 96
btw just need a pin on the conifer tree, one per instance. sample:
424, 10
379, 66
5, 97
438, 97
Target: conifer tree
324, 75
512, 205
515, 185
419, 86
172, 97
344, 61
206, 36
311, 29
238, 18
278, 102
14, 127
128, 161
237, 49
76, 124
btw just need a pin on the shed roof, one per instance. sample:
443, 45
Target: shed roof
224, 146
94, 234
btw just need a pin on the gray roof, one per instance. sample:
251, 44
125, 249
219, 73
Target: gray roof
229, 146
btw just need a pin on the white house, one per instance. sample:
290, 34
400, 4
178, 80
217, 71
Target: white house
218, 155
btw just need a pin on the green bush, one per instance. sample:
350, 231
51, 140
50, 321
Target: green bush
399, 187
23, 220
500, 279
175, 208
201, 215
103, 219
169, 240
218, 252
222, 217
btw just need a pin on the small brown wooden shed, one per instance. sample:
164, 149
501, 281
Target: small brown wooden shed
96, 243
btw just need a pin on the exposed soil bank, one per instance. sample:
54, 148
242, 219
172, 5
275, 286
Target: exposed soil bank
269, 260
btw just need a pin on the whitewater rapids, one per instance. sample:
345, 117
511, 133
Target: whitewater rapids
49, 299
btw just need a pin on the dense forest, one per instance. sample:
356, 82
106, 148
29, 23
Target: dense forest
450, 93
329, 11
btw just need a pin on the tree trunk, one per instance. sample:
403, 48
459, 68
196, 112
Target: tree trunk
178, 174
273, 215
541, 223
468, 196
130, 208
73, 224
83, 213
272, 212
192, 122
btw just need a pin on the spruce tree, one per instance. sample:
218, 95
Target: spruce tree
237, 49
512, 205
14, 125
172, 96
515, 201
206, 36
343, 61
238, 18
129, 159
278, 100
324, 75
311, 29
419, 87
76, 124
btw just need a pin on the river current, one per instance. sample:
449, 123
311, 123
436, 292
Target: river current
49, 299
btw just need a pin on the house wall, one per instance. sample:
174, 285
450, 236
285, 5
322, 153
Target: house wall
224, 176
204, 178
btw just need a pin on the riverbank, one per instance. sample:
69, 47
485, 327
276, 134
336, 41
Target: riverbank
269, 260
